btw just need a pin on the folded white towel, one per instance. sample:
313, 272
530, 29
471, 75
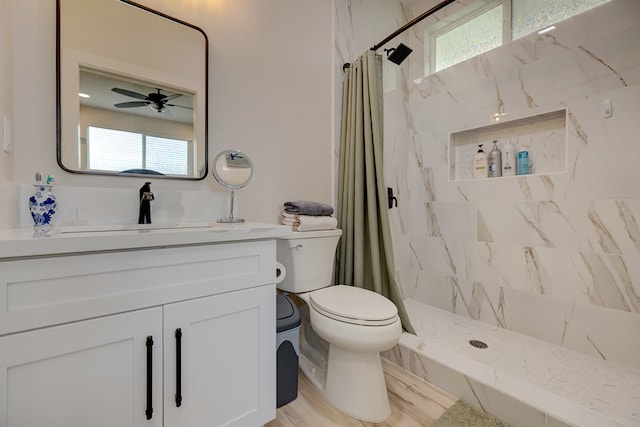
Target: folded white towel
309, 223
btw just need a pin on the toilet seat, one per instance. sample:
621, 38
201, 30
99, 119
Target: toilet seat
353, 305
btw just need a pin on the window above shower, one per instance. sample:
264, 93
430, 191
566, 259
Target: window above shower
486, 24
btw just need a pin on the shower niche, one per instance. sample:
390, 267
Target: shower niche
543, 135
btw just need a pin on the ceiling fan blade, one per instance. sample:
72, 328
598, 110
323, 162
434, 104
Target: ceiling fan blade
181, 106
131, 104
174, 96
129, 93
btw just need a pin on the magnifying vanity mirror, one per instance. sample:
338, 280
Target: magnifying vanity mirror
232, 169
132, 91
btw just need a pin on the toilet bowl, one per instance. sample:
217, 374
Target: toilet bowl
355, 324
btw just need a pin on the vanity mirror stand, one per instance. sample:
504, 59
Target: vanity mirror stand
232, 169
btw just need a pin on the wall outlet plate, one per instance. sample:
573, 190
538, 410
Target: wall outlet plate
607, 109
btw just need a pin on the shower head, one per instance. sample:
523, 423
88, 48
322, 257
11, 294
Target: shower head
398, 54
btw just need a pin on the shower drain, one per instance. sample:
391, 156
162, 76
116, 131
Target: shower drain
478, 344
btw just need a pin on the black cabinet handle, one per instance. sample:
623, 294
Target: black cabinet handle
178, 367
149, 411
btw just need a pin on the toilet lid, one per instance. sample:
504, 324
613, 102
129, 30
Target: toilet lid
354, 305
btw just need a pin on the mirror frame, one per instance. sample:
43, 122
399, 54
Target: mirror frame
59, 103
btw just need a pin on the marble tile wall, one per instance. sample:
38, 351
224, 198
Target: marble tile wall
555, 256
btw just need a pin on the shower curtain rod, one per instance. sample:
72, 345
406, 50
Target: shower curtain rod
406, 26
411, 23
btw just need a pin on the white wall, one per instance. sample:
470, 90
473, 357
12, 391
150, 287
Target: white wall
6, 110
271, 96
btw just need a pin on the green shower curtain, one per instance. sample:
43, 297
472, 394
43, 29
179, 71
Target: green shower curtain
365, 254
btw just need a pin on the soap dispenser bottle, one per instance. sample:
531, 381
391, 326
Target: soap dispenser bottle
494, 160
480, 164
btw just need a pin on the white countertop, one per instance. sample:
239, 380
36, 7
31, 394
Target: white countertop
29, 242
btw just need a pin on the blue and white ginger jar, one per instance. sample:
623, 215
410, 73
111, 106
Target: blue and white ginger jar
43, 205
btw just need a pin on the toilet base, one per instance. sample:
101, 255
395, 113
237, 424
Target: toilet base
355, 384
351, 380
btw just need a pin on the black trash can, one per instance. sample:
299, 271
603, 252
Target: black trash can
288, 348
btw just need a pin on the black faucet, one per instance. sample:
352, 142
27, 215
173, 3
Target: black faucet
146, 196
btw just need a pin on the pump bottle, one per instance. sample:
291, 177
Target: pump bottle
494, 160
508, 159
480, 164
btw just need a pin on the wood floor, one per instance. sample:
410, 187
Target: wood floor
413, 403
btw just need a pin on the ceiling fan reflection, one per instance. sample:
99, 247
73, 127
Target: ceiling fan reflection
156, 101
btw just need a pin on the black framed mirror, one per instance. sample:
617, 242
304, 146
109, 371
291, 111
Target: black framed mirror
132, 91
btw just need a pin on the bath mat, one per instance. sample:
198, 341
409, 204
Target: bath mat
463, 414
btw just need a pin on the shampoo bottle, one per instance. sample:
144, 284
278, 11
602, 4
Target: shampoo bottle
523, 162
508, 159
480, 164
494, 160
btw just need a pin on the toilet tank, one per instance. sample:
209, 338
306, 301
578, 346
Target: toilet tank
308, 258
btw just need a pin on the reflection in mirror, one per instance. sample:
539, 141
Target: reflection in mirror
232, 169
160, 139
132, 91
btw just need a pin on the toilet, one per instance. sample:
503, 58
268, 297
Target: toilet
344, 327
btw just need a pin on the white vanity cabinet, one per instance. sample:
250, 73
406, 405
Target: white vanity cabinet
227, 359
88, 373
76, 334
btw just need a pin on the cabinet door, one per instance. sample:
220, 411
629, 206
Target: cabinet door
227, 364
89, 373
